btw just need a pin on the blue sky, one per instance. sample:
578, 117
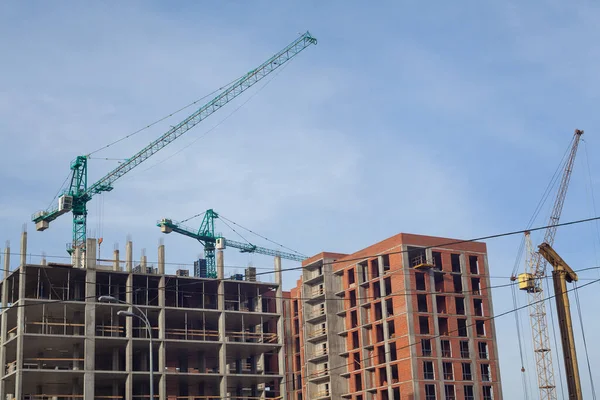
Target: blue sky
435, 119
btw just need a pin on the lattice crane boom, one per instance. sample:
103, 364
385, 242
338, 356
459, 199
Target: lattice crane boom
211, 240
76, 197
531, 281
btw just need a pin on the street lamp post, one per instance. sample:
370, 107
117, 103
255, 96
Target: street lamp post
142, 317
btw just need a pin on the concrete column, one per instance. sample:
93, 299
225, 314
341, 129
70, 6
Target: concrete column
6, 261
90, 320
129, 327
162, 352
280, 327
75, 258
76, 354
115, 359
23, 260
129, 256
116, 263
221, 308
19, 390
471, 329
4, 323
161, 259
493, 343
143, 262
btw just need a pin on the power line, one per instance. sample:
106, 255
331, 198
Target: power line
451, 243
469, 325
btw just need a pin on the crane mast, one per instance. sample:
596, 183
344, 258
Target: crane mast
531, 281
76, 197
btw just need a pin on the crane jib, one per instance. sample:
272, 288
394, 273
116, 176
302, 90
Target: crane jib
220, 100
76, 200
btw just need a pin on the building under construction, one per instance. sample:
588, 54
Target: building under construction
406, 318
211, 338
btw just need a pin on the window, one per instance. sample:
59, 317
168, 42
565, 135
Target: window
464, 349
462, 327
430, 392
356, 360
449, 391
426, 347
352, 298
358, 382
469, 393
386, 262
393, 352
466, 370
422, 302
483, 350
374, 268
438, 279
478, 307
428, 370
487, 393
388, 286
457, 281
448, 374
480, 328
455, 260
391, 327
473, 265
420, 281
446, 349
353, 319
378, 311
475, 285
437, 259
350, 276
355, 339
460, 305
441, 304
389, 307
424, 325
443, 325
485, 373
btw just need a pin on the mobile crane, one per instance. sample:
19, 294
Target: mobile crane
531, 282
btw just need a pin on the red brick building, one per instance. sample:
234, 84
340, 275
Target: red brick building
406, 318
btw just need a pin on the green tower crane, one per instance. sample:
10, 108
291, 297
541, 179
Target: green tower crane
206, 235
75, 198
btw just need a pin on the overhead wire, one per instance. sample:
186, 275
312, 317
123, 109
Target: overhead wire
450, 243
409, 345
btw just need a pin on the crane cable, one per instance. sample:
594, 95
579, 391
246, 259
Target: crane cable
587, 357
163, 118
192, 217
263, 237
220, 122
517, 322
